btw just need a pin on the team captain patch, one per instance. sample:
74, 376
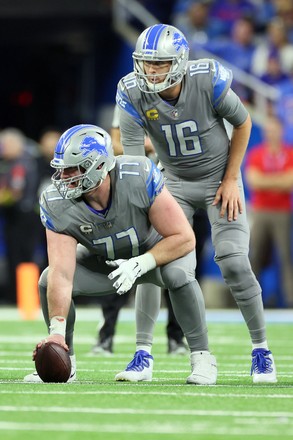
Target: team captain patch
152, 114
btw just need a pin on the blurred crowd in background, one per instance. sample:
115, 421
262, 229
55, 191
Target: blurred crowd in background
255, 36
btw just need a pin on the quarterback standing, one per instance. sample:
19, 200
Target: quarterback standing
181, 105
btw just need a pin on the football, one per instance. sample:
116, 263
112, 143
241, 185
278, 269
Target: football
53, 363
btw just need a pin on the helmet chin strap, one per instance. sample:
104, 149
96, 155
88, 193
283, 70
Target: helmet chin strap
98, 184
103, 176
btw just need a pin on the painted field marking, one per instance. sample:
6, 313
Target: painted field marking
150, 393
154, 428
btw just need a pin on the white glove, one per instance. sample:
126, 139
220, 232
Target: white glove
115, 263
129, 270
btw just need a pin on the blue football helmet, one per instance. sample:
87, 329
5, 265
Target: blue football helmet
87, 148
160, 42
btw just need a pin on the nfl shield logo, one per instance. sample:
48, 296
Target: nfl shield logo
174, 113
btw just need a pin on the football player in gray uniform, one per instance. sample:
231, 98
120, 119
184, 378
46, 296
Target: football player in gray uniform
111, 223
182, 105
112, 304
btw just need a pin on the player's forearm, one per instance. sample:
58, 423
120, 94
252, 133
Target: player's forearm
59, 293
172, 248
238, 148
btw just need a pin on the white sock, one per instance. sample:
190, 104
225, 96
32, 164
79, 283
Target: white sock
73, 361
146, 348
260, 345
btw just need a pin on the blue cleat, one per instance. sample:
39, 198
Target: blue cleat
139, 369
263, 369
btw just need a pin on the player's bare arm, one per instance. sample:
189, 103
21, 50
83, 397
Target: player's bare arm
228, 192
62, 261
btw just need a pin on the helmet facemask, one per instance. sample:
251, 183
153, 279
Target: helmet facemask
73, 187
172, 77
87, 149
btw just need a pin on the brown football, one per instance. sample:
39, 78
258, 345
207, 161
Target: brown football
53, 363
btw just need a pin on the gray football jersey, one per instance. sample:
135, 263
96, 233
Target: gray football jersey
190, 137
124, 230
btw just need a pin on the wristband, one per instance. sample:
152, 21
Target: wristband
57, 326
147, 262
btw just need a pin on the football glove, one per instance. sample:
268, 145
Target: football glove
129, 270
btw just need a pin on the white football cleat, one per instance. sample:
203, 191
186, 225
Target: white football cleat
35, 378
139, 369
203, 369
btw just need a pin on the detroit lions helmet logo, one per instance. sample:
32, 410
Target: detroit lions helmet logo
90, 144
179, 41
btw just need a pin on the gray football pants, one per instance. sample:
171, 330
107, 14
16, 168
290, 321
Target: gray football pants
91, 278
231, 243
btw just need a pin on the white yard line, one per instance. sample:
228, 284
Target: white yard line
259, 430
150, 393
145, 411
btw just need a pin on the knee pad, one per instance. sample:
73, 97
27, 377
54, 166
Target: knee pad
230, 248
232, 259
175, 277
239, 277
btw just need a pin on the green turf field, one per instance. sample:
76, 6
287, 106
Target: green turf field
95, 407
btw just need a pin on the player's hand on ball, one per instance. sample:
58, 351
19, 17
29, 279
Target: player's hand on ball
53, 362
59, 339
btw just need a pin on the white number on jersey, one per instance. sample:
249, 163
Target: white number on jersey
182, 136
108, 242
202, 67
123, 171
130, 83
